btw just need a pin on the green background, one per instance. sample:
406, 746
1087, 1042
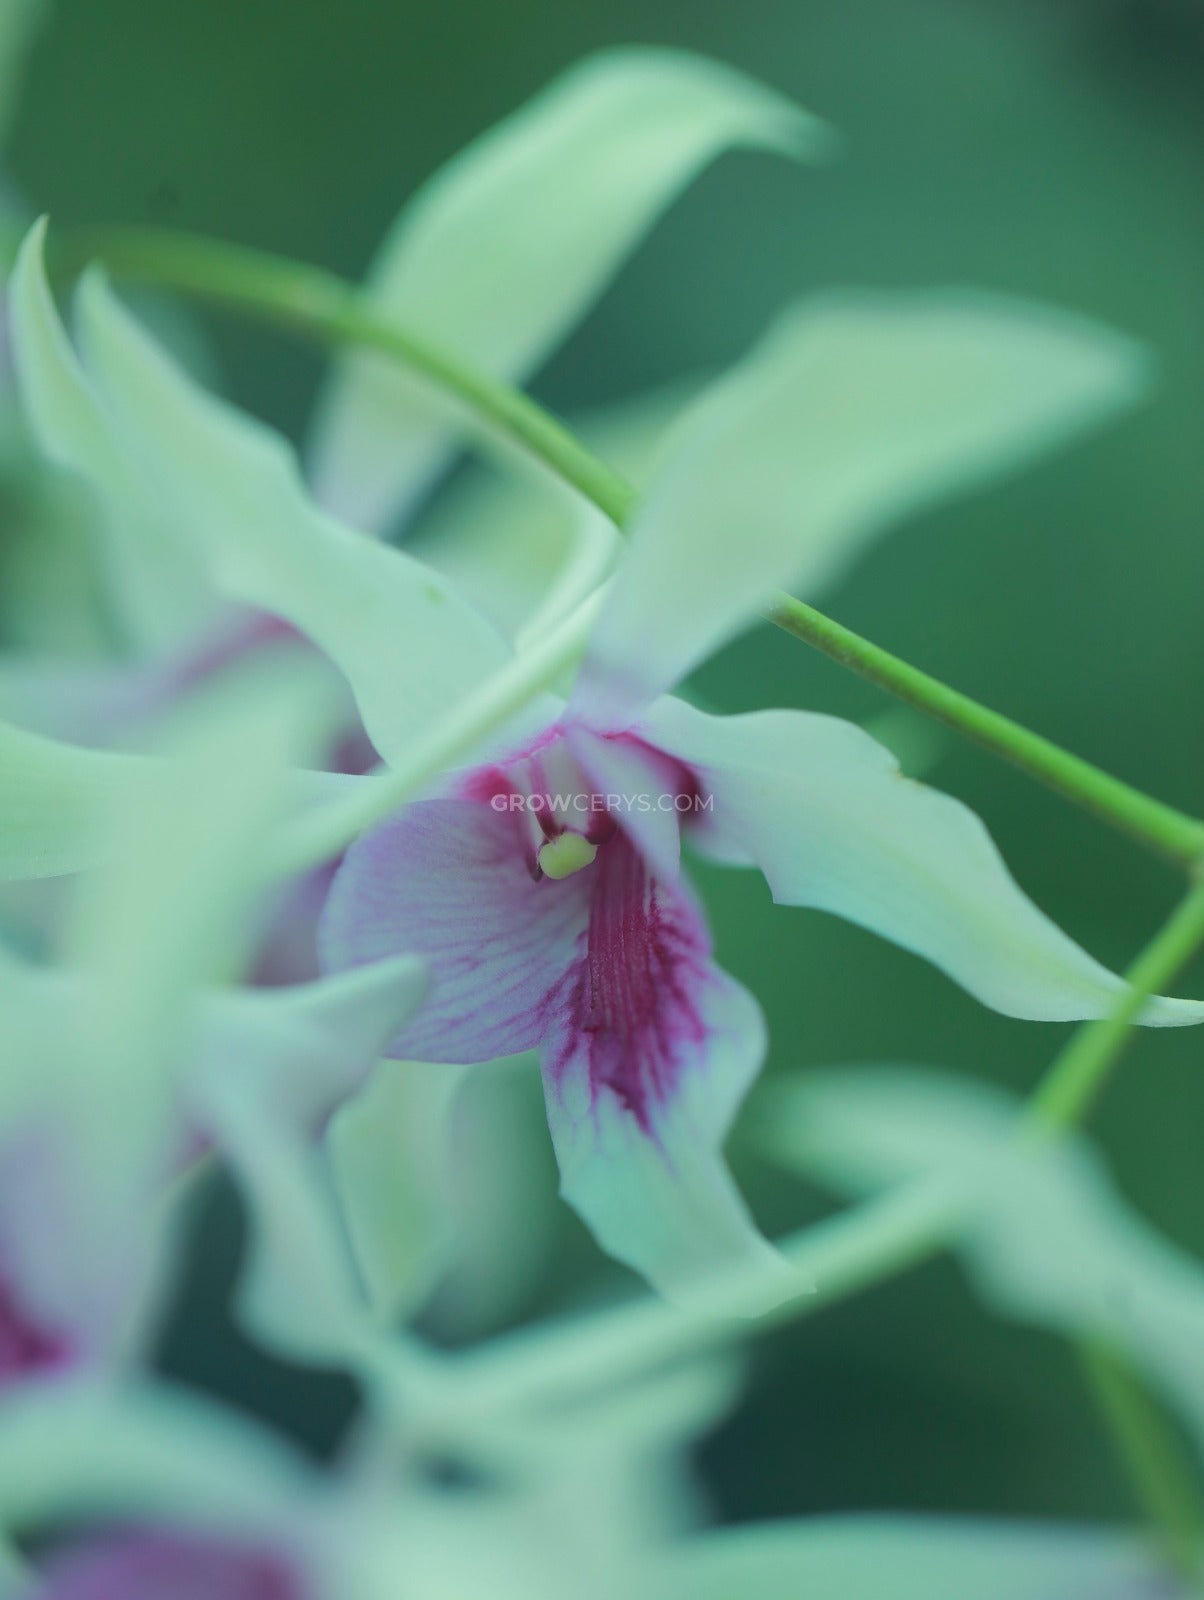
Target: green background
1048, 147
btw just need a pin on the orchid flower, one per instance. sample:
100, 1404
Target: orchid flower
543, 888
125, 1062
569, 927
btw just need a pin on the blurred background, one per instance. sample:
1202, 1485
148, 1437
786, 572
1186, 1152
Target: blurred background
1052, 148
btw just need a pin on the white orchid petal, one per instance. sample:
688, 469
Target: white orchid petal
509, 244
898, 1557
270, 1069
54, 800
406, 642
649, 1179
82, 1451
824, 811
390, 1157
858, 410
408, 645
302, 1049
298, 1294
152, 574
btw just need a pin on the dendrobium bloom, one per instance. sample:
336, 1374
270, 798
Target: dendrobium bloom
543, 892
584, 939
550, 920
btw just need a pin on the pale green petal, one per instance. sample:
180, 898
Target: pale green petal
510, 243
627, 1451
271, 1068
298, 1294
1046, 1236
657, 1195
910, 1558
172, 906
407, 644
518, 543
71, 1451
391, 1163
505, 1211
303, 1048
521, 544
153, 577
823, 810
54, 799
858, 410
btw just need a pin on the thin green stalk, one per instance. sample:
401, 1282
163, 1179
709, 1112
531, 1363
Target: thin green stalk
1161, 1477
1076, 1077
1149, 821
325, 307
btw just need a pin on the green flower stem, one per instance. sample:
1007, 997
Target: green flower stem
1149, 821
1076, 1077
1161, 1477
325, 307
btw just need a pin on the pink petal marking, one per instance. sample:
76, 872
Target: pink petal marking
27, 1348
631, 1000
152, 1564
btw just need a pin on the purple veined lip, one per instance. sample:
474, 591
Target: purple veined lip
631, 1001
602, 963
164, 1564
28, 1348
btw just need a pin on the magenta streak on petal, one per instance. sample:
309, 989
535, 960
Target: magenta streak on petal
28, 1349
142, 1564
451, 881
609, 959
631, 1001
